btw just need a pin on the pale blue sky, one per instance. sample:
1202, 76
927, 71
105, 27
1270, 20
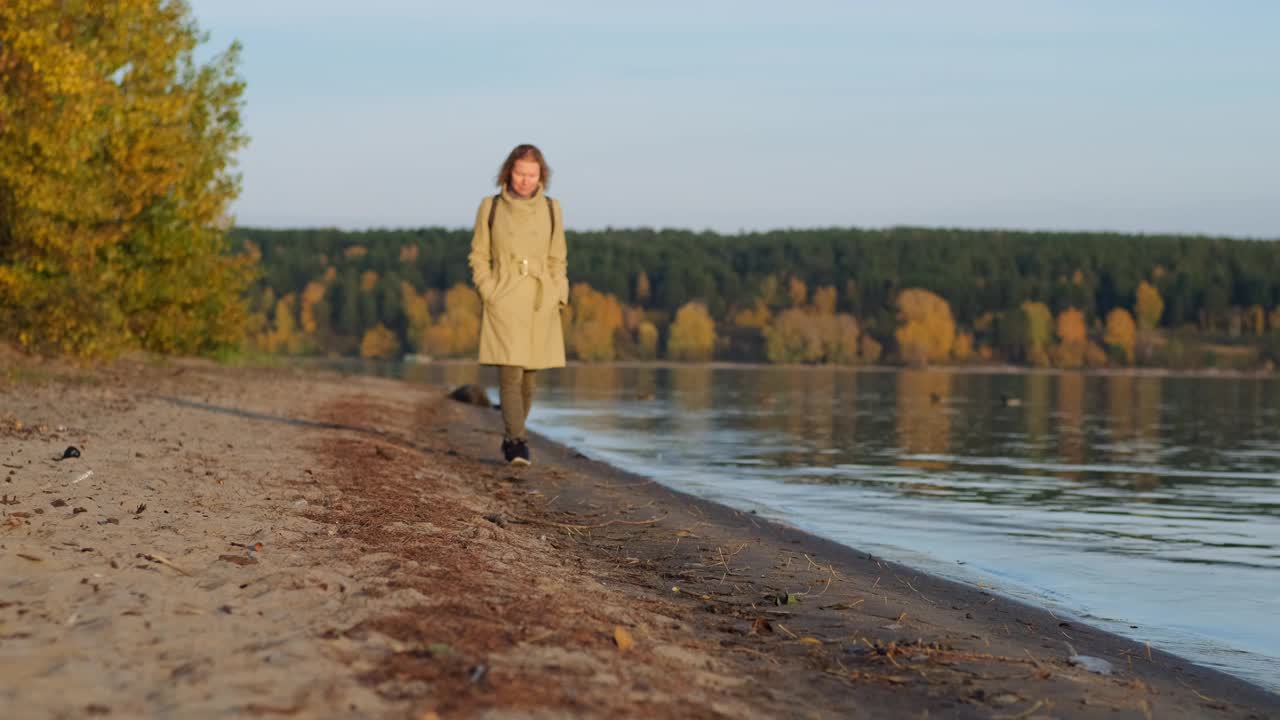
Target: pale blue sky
1151, 116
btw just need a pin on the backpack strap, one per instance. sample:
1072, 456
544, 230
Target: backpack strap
551, 209
493, 208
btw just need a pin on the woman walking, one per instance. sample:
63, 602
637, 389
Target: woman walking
518, 266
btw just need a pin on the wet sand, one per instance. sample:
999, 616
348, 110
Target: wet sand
271, 543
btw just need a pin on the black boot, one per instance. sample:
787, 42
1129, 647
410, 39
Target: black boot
522, 454
516, 452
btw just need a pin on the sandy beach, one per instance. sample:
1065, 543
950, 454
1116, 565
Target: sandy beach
279, 543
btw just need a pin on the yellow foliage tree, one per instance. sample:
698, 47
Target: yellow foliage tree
1071, 327
870, 350
926, 330
797, 292
647, 340
115, 156
756, 316
281, 334
596, 317
312, 294
643, 291
839, 338
1073, 339
457, 330
1255, 320
1121, 333
1039, 325
418, 313
962, 347
824, 300
1149, 306
693, 334
797, 336
380, 343
794, 337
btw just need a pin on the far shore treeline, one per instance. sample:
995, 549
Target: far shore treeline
826, 296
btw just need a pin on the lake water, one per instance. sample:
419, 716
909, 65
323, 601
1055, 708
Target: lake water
1146, 505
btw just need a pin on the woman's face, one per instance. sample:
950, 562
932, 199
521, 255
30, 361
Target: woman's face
525, 176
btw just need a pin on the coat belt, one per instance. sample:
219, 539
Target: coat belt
535, 268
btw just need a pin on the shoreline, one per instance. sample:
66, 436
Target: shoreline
412, 573
329, 363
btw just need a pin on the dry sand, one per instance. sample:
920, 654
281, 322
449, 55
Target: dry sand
269, 543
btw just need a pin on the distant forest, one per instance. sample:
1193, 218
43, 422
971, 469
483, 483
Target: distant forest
848, 296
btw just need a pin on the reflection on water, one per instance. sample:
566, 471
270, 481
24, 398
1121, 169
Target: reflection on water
1149, 505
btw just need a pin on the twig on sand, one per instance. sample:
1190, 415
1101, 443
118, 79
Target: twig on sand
153, 557
1200, 695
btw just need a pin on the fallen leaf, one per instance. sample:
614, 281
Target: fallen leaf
623, 638
811, 640
761, 627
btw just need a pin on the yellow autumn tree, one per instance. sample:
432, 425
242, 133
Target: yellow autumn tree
839, 338
116, 149
926, 329
596, 317
647, 340
457, 330
692, 336
1255, 320
797, 292
1149, 306
643, 291
380, 343
869, 350
1121, 334
1073, 339
276, 331
1039, 325
756, 316
797, 336
962, 347
312, 295
793, 337
417, 312
824, 300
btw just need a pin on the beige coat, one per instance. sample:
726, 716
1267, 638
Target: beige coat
520, 272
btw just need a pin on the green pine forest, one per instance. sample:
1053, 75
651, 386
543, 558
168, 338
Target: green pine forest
905, 295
